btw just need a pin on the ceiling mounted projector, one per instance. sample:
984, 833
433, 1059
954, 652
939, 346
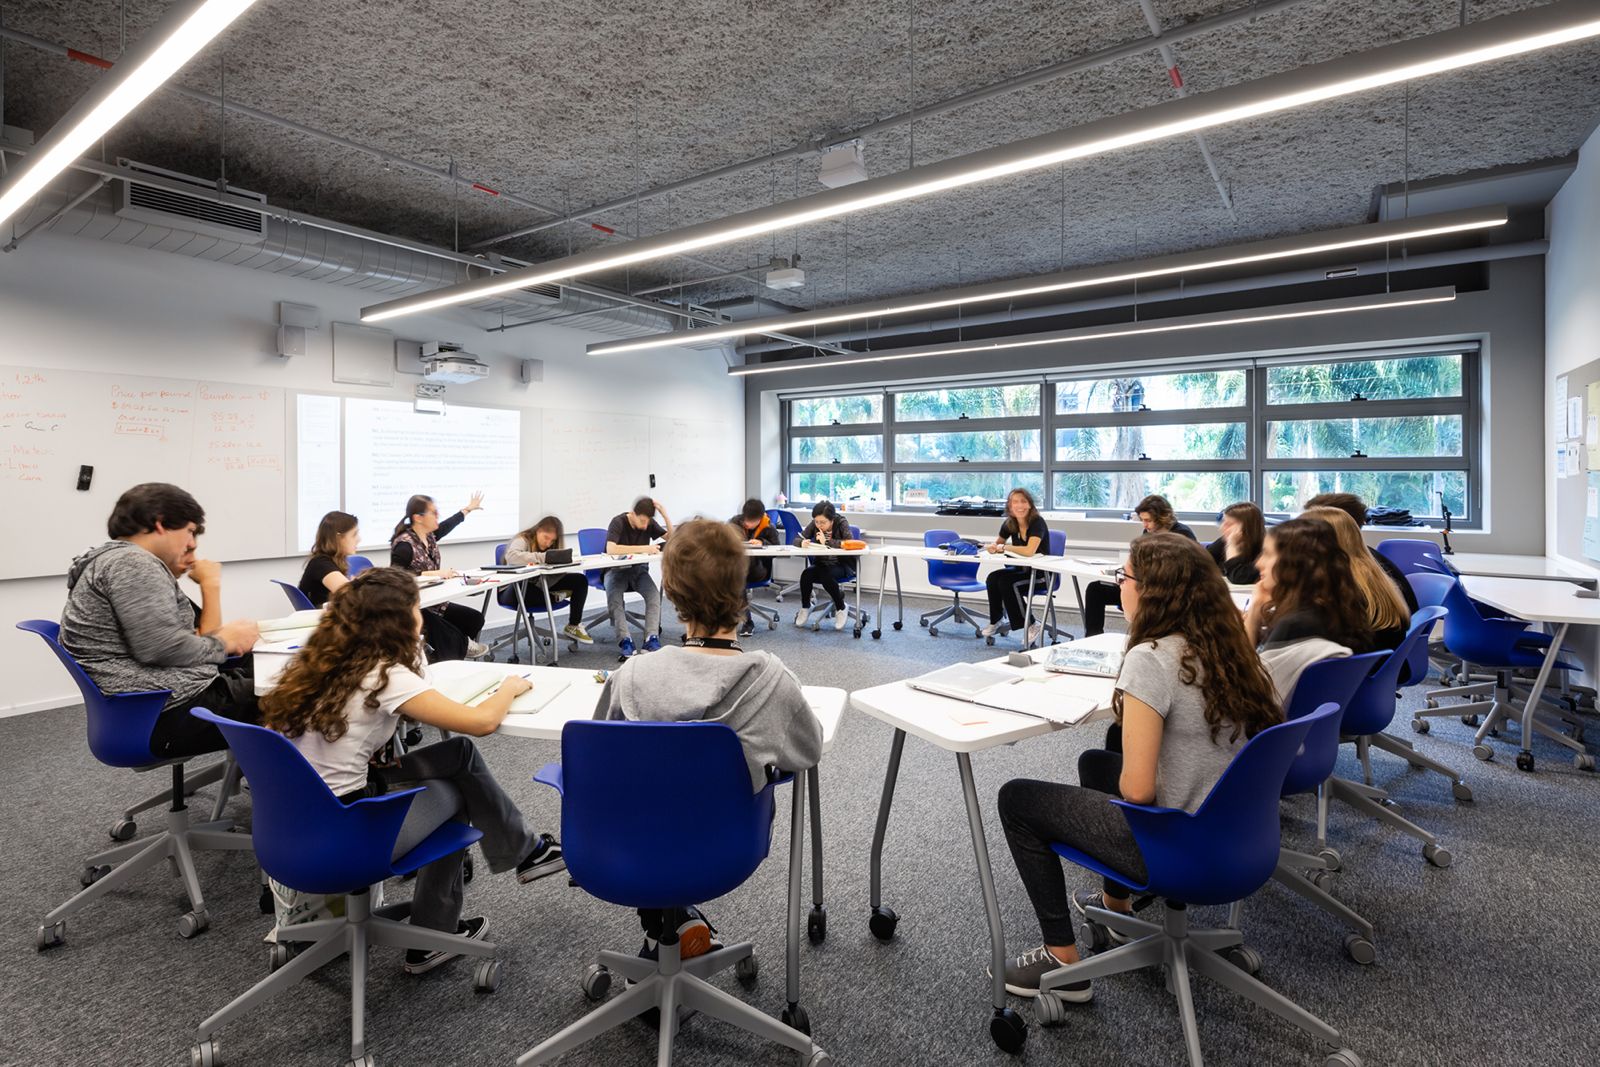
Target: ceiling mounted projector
843, 165
448, 364
786, 274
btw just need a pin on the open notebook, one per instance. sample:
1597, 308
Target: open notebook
474, 687
991, 687
290, 631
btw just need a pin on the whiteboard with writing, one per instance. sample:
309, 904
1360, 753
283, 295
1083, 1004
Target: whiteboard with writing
695, 468
224, 443
595, 464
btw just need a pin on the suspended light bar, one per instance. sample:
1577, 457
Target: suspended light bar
1081, 278
185, 29
1311, 309
1467, 46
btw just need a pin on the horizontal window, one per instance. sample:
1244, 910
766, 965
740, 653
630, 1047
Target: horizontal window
836, 410
1208, 491
843, 488
1158, 392
863, 448
981, 402
918, 489
1411, 435
1195, 441
1406, 378
992, 446
1285, 492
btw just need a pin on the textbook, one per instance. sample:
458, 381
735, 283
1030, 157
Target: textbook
300, 620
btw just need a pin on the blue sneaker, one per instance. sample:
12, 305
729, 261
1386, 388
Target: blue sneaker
652, 643
627, 647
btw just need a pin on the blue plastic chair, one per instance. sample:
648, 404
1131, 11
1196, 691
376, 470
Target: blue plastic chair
637, 856
506, 597
297, 600
828, 611
1222, 853
1412, 555
358, 564
310, 841
791, 529
592, 542
119, 727
956, 578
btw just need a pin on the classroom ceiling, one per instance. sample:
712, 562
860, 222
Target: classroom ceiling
580, 103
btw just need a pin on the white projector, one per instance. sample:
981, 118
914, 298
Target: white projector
448, 364
786, 278
842, 165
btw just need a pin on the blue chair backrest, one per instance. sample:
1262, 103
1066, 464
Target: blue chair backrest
785, 520
942, 574
304, 836
506, 597
1328, 681
1058, 543
1372, 707
119, 723
297, 600
592, 542
358, 564
1227, 849
1412, 554
1431, 588
639, 832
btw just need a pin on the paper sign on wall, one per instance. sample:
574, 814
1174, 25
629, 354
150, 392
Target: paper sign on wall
1591, 519
1575, 416
1591, 437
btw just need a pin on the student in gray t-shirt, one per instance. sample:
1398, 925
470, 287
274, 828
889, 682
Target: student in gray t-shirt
1191, 691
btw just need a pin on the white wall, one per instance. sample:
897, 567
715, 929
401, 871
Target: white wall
86, 305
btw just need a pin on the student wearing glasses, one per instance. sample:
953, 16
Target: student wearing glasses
1190, 693
1156, 516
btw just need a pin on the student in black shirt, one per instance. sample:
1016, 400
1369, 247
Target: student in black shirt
633, 533
329, 565
1025, 533
1239, 545
828, 530
1156, 516
1356, 508
755, 529
451, 630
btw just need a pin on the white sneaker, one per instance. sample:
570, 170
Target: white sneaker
990, 630
802, 616
1033, 633
840, 617
477, 650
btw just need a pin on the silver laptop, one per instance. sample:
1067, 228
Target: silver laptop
962, 681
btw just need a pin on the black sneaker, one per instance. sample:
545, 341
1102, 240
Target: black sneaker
422, 960
749, 627
545, 859
1024, 972
1095, 898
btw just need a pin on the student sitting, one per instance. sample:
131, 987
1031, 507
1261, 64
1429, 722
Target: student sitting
1156, 516
753, 525
1356, 508
1190, 693
133, 630
528, 549
711, 678
1301, 610
633, 533
338, 536
1025, 533
452, 629
1386, 614
340, 700
829, 530
1238, 545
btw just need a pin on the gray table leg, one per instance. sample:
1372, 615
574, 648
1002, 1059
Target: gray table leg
1006, 1027
1033, 573
516, 629
817, 921
861, 620
550, 615
1531, 706
883, 919
797, 833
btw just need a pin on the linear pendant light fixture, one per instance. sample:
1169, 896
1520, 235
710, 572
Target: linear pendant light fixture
185, 29
1479, 42
1480, 218
1177, 324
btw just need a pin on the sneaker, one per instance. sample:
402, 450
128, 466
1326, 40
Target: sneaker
802, 616
477, 650
1034, 630
545, 859
840, 618
749, 627
1085, 899
990, 630
1024, 972
423, 960
695, 938
626, 647
576, 632
652, 643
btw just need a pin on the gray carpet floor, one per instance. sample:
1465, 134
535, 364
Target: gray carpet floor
1490, 961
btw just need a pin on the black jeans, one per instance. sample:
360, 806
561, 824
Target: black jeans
231, 694
448, 629
1096, 598
1007, 587
1038, 814
760, 571
828, 575
572, 587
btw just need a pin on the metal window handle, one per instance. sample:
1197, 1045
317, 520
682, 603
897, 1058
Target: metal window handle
1357, 397
1143, 458
1142, 408
961, 459
835, 459
961, 416
1358, 454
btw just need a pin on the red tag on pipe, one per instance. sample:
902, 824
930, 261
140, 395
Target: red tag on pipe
602, 229
1177, 78
85, 57
485, 189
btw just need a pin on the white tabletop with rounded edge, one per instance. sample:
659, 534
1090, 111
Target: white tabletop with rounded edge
957, 726
1495, 565
1556, 602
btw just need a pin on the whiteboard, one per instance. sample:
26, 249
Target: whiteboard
222, 443
595, 465
694, 468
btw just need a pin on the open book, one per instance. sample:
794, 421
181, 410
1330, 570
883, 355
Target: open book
991, 687
474, 687
300, 620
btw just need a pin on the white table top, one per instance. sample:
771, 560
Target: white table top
1495, 565
957, 726
787, 551
1556, 602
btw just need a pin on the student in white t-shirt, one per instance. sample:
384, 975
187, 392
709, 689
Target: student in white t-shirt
340, 702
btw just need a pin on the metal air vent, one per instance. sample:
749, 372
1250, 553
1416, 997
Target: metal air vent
546, 293
199, 212
717, 318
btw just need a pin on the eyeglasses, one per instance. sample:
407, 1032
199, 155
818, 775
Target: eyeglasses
1121, 575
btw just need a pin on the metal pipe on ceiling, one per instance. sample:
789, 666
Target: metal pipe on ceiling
1370, 268
1174, 75
1087, 61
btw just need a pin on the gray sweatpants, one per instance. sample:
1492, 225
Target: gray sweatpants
622, 580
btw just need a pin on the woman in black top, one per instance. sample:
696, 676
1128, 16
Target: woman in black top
1156, 516
329, 565
827, 530
452, 629
1242, 530
1025, 533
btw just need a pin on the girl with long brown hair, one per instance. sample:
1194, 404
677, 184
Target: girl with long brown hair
528, 548
338, 535
1387, 616
340, 701
1024, 532
1241, 532
1190, 693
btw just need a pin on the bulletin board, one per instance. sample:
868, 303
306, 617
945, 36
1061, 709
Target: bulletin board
1574, 436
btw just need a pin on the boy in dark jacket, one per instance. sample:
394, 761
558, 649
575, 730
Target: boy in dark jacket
756, 530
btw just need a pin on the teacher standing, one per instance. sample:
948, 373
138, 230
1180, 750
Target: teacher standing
450, 629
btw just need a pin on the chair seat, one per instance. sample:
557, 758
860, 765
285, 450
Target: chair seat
958, 586
447, 840
1088, 862
758, 585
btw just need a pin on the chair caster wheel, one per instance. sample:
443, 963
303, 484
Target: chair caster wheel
1099, 936
596, 982
413, 737
1246, 959
1524, 761
1483, 752
883, 922
1342, 1058
1583, 762
123, 830
933, 631
856, 634
364, 1061
1319, 877
1471, 720
1048, 1010
877, 635
1330, 858
264, 901
899, 626
486, 976
207, 1053
989, 641
747, 969
280, 954
1420, 726
1461, 790
51, 936
1437, 855
795, 1018
818, 1058
1008, 1030
1359, 949
817, 925
466, 868
192, 923
923, 623
91, 875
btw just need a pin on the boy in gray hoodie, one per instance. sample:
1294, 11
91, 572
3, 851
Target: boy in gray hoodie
131, 627
711, 679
